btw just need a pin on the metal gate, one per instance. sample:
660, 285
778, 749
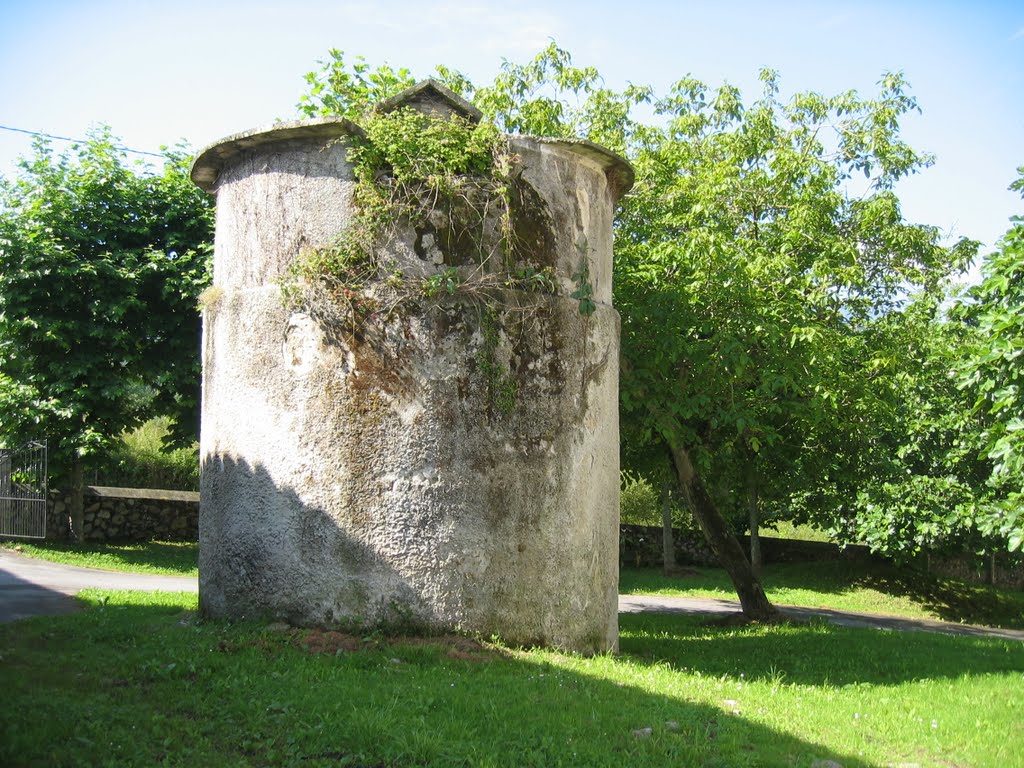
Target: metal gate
23, 492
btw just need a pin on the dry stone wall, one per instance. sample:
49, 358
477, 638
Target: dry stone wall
640, 546
1004, 571
128, 514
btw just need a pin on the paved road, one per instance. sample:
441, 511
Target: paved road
712, 607
30, 587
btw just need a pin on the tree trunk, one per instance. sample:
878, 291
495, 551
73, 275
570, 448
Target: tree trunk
668, 544
77, 500
754, 511
722, 541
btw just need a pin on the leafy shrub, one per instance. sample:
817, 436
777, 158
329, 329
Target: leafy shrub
139, 461
640, 504
638, 501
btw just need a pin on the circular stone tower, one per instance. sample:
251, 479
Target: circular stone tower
452, 463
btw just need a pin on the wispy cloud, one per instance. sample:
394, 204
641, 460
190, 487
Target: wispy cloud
1018, 34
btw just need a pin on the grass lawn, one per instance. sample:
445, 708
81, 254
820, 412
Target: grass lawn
138, 680
172, 558
849, 586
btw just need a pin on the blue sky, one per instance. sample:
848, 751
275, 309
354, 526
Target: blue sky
158, 72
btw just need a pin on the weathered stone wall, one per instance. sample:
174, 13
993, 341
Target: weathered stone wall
128, 514
640, 547
1008, 571
455, 466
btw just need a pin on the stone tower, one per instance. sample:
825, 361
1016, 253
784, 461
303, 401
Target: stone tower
454, 464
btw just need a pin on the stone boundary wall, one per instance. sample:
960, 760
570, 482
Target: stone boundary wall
1009, 573
128, 514
640, 546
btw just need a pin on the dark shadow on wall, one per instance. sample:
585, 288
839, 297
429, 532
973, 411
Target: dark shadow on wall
186, 692
270, 554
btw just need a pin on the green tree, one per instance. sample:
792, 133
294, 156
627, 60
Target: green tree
754, 256
993, 373
914, 480
100, 266
349, 90
764, 276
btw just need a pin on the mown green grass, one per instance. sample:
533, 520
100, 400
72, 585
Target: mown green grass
860, 587
171, 558
138, 680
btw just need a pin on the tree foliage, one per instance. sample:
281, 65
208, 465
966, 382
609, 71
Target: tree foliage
762, 268
992, 371
100, 266
349, 90
950, 474
918, 476
765, 243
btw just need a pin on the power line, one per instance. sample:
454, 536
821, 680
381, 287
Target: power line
76, 141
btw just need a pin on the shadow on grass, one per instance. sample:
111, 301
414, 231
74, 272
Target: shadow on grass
132, 684
20, 599
813, 654
180, 556
948, 599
